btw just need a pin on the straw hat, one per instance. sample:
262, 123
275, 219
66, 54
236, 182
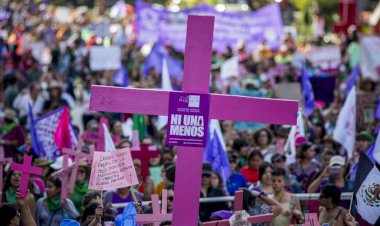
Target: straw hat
10, 114
55, 85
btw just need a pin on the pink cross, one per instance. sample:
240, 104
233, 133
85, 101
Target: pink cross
238, 205
78, 154
2, 163
98, 137
144, 152
156, 218
195, 80
63, 174
26, 169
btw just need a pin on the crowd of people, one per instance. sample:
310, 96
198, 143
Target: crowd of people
269, 176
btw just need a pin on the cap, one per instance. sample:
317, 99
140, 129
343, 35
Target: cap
223, 214
206, 169
337, 160
276, 157
10, 114
364, 135
58, 164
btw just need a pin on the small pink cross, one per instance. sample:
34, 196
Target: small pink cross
78, 154
238, 205
144, 152
2, 163
156, 218
98, 137
63, 174
26, 169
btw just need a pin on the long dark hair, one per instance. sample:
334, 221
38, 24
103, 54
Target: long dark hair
248, 199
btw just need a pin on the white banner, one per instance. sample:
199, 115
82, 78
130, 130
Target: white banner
105, 58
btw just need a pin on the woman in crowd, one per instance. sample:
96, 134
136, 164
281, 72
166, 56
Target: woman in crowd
49, 210
304, 167
291, 207
12, 134
251, 170
263, 139
217, 182
55, 97
10, 216
121, 195
265, 177
81, 186
9, 196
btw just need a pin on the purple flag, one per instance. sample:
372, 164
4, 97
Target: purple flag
121, 77
307, 91
377, 112
36, 150
155, 58
354, 75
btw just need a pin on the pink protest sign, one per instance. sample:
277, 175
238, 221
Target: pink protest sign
98, 137
26, 169
224, 107
156, 217
113, 169
188, 119
3, 161
311, 219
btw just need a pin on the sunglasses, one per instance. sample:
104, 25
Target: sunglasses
171, 198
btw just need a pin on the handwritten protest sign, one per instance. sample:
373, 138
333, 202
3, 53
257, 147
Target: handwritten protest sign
188, 119
105, 58
112, 170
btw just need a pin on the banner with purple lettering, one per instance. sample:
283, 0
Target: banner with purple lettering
188, 119
265, 24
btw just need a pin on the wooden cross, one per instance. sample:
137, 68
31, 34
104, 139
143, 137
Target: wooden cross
78, 154
238, 205
156, 217
224, 107
3, 161
144, 152
98, 137
63, 175
26, 169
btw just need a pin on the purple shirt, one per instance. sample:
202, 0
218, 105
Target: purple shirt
18, 134
112, 197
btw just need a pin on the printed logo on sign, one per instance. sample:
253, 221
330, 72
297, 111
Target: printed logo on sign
194, 101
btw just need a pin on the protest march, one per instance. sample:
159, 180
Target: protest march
186, 113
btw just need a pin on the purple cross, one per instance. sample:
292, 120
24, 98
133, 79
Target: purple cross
195, 80
156, 218
98, 137
26, 169
3, 161
144, 152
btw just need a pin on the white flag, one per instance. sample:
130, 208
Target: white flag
166, 85
345, 129
296, 134
108, 142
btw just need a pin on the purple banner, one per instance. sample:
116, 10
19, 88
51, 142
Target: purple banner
230, 28
188, 119
323, 88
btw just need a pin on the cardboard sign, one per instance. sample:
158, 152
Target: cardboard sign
325, 57
365, 110
188, 119
112, 170
105, 58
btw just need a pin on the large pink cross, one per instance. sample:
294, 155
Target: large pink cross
156, 217
195, 80
78, 154
3, 161
238, 205
144, 152
98, 137
26, 169
63, 174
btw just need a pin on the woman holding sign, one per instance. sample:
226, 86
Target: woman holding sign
50, 210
